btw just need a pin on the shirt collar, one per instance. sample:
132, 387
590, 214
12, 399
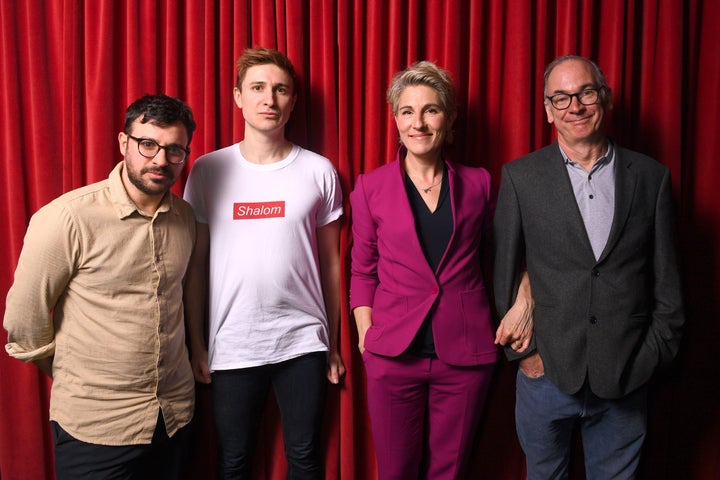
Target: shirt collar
600, 163
124, 206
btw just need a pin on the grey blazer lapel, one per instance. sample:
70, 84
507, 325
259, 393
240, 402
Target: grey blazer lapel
562, 189
625, 182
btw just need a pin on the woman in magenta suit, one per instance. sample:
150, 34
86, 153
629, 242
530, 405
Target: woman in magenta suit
420, 224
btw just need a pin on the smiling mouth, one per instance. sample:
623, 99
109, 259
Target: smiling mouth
580, 120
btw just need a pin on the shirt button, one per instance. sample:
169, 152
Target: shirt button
434, 290
592, 196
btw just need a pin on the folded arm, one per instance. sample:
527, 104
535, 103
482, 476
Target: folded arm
45, 267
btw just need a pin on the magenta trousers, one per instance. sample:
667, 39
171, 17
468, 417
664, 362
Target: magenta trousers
413, 400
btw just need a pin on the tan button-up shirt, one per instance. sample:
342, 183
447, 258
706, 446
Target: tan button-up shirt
99, 286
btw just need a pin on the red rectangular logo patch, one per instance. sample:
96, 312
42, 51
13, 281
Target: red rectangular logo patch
247, 211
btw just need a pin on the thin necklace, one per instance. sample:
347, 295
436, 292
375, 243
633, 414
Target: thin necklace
427, 190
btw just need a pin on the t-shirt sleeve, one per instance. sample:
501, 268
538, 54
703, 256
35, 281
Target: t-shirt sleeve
195, 193
332, 205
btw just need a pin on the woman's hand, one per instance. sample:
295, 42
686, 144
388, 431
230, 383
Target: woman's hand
363, 320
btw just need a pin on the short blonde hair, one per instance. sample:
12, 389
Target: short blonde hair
424, 73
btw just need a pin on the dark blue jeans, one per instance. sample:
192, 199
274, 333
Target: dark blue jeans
239, 397
612, 431
160, 460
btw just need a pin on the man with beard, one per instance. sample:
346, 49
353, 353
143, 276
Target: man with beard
97, 305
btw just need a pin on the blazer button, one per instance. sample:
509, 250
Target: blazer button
593, 319
595, 272
434, 290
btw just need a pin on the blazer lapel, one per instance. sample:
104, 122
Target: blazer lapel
405, 220
563, 195
625, 181
454, 208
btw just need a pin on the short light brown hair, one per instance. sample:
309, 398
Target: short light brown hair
252, 57
424, 73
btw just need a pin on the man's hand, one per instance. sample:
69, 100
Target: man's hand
532, 366
336, 368
199, 363
45, 365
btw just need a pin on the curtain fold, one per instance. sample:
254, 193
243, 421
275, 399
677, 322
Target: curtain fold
69, 68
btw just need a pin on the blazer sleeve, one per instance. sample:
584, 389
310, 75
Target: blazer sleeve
664, 334
364, 254
508, 252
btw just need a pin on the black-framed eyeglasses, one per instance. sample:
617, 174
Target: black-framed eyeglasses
149, 148
587, 96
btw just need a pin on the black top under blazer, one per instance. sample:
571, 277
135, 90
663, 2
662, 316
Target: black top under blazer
611, 321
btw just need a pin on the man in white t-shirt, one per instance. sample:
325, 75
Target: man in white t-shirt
268, 216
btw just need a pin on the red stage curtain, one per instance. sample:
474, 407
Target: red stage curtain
69, 68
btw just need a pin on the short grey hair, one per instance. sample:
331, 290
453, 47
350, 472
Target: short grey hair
605, 92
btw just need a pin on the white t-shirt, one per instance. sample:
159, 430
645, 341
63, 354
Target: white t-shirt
266, 301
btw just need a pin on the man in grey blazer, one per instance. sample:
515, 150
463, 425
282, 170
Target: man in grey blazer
593, 225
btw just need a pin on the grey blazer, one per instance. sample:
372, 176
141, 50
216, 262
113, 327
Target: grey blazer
610, 321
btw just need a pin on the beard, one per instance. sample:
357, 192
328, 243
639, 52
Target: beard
151, 186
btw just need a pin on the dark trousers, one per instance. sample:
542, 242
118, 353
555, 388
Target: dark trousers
239, 397
161, 459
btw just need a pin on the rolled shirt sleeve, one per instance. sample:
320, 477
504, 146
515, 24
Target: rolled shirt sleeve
45, 266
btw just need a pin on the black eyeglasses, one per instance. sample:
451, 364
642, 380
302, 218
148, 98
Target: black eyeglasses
149, 148
587, 96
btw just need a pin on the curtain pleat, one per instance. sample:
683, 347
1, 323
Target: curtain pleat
69, 68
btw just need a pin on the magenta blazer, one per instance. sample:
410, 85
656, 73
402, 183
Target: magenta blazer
391, 275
